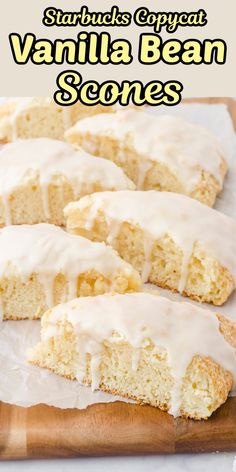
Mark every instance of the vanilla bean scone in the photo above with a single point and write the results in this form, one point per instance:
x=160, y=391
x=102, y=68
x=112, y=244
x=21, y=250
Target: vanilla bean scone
x=35, y=117
x=174, y=241
x=161, y=153
x=38, y=177
x=175, y=356
x=42, y=265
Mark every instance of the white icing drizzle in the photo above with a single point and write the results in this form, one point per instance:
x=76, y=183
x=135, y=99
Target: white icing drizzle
x=48, y=251
x=135, y=359
x=187, y=253
x=67, y=119
x=184, y=219
x=1, y=310
x=45, y=201
x=7, y=210
x=148, y=247
x=185, y=147
x=47, y=159
x=144, y=167
x=47, y=281
x=14, y=135
x=114, y=231
x=92, y=215
x=22, y=104
x=183, y=329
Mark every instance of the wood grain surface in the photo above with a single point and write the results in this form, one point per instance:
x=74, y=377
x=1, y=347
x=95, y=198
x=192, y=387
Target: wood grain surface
x=110, y=429
x=115, y=428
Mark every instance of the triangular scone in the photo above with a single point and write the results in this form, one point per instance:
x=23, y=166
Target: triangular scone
x=175, y=356
x=38, y=177
x=35, y=117
x=175, y=241
x=42, y=265
x=161, y=153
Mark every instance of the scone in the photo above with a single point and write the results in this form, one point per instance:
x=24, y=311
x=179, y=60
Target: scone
x=161, y=153
x=174, y=241
x=38, y=177
x=175, y=356
x=42, y=265
x=35, y=117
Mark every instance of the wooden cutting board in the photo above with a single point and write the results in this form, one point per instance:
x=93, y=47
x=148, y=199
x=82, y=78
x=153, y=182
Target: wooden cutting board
x=115, y=428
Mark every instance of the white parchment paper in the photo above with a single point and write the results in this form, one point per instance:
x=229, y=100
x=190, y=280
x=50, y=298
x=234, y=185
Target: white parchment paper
x=26, y=385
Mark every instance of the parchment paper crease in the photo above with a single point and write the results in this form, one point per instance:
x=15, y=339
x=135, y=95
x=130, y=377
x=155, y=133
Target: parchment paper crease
x=25, y=385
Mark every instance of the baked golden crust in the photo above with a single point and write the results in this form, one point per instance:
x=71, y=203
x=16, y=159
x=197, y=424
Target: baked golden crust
x=40, y=117
x=39, y=177
x=23, y=298
x=26, y=202
x=205, y=385
x=207, y=280
x=158, y=176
